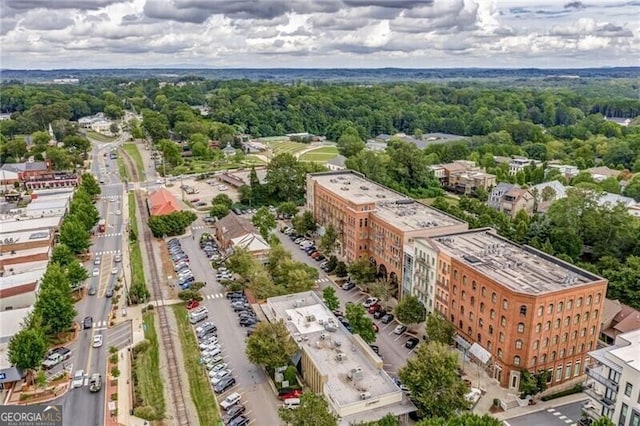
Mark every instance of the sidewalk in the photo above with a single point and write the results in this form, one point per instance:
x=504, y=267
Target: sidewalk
x=540, y=406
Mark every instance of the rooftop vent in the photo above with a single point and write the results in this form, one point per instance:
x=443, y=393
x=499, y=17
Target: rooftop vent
x=365, y=395
x=364, y=188
x=341, y=357
x=355, y=374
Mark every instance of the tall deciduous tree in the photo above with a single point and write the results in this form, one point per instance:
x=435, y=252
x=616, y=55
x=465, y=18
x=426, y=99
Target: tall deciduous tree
x=329, y=240
x=76, y=273
x=74, y=235
x=432, y=377
x=313, y=411
x=410, y=311
x=362, y=271
x=360, y=323
x=350, y=143
x=439, y=329
x=27, y=348
x=287, y=208
x=241, y=262
x=265, y=221
x=464, y=419
x=330, y=298
x=90, y=184
x=62, y=255
x=304, y=223
x=270, y=345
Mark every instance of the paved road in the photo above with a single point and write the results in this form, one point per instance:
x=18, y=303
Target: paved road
x=564, y=415
x=251, y=381
x=79, y=404
x=391, y=345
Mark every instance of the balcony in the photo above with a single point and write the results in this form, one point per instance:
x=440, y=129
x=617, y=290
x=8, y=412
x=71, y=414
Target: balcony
x=599, y=397
x=595, y=375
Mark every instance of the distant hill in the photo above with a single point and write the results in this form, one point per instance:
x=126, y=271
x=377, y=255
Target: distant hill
x=361, y=75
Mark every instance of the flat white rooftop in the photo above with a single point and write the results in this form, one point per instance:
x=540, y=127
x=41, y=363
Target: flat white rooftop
x=391, y=206
x=12, y=225
x=335, y=353
x=19, y=268
x=629, y=353
x=14, y=280
x=521, y=268
x=24, y=253
x=25, y=236
x=11, y=322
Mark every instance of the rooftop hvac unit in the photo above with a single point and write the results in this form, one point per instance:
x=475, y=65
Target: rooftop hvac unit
x=365, y=395
x=355, y=373
x=341, y=357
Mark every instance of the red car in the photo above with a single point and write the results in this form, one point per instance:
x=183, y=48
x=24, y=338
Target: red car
x=192, y=304
x=375, y=327
x=290, y=395
x=374, y=308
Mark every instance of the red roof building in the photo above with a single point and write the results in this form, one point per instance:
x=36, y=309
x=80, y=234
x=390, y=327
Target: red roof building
x=162, y=202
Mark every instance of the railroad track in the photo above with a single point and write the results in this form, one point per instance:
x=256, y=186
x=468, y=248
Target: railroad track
x=177, y=392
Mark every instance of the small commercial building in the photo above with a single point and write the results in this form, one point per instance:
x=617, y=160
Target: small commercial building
x=335, y=363
x=162, y=202
x=19, y=290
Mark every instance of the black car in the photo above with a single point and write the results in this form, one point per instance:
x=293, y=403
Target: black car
x=239, y=421
x=375, y=348
x=233, y=412
x=412, y=342
x=235, y=294
x=247, y=322
x=379, y=314
x=224, y=384
x=87, y=323
x=387, y=318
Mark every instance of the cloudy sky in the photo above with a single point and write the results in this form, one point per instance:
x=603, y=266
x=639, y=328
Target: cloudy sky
x=49, y=34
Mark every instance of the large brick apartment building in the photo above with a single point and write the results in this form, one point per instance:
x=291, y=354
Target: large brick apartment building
x=373, y=221
x=524, y=308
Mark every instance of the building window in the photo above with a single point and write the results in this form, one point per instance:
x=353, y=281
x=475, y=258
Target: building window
x=565, y=336
x=628, y=388
x=576, y=369
x=572, y=349
x=579, y=302
x=540, y=310
x=583, y=332
x=576, y=319
x=589, y=300
x=534, y=361
x=473, y=301
x=480, y=323
x=574, y=335
x=536, y=345
x=479, y=338
x=592, y=330
x=547, y=325
x=520, y=327
x=464, y=280
x=555, y=340
x=505, y=305
x=489, y=345
x=560, y=306
x=455, y=289
x=494, y=297
x=464, y=295
x=538, y=327
x=590, y=346
x=543, y=358
x=545, y=342
x=523, y=310
x=580, y=348
x=481, y=307
x=492, y=314
x=455, y=274
x=516, y=360
x=501, y=337
x=550, y=308
x=586, y=316
x=490, y=330
x=503, y=321
x=595, y=314
x=567, y=320
x=569, y=304
x=518, y=344
x=623, y=415
x=557, y=323
x=561, y=354
x=499, y=353
x=484, y=291
x=559, y=374
x=567, y=371
x=471, y=316
x=474, y=286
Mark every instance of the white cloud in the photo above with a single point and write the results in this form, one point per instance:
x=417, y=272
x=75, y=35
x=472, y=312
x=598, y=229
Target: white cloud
x=327, y=33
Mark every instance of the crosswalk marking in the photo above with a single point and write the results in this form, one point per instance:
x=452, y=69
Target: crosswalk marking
x=323, y=280
x=99, y=324
x=196, y=227
x=100, y=253
x=115, y=234
x=214, y=296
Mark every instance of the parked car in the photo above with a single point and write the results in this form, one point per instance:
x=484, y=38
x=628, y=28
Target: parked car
x=375, y=348
x=192, y=304
x=379, y=313
x=348, y=285
x=370, y=301
x=400, y=329
x=412, y=342
x=97, y=340
x=387, y=318
x=233, y=412
x=78, y=379
x=374, y=308
x=239, y=421
x=219, y=376
x=95, y=272
x=95, y=382
x=223, y=385
x=375, y=327
x=217, y=368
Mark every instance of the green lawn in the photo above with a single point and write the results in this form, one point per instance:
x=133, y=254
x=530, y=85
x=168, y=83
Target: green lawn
x=149, y=388
x=122, y=170
x=287, y=146
x=322, y=155
x=132, y=150
x=100, y=137
x=199, y=387
x=451, y=200
x=135, y=256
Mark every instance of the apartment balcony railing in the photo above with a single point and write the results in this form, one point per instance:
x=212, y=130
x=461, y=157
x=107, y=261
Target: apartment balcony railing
x=601, y=379
x=600, y=397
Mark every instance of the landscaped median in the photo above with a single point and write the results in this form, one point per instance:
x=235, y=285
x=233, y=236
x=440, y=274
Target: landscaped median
x=132, y=150
x=138, y=291
x=199, y=387
x=149, y=401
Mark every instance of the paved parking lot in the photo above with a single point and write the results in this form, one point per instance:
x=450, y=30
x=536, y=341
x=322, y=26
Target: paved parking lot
x=251, y=381
x=206, y=192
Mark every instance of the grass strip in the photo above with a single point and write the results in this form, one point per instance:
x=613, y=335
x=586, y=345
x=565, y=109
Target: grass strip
x=199, y=387
x=138, y=283
x=100, y=137
x=122, y=170
x=132, y=150
x=149, y=404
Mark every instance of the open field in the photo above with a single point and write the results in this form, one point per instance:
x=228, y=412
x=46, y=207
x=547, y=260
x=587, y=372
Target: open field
x=199, y=387
x=321, y=155
x=287, y=146
x=147, y=367
x=132, y=150
x=100, y=137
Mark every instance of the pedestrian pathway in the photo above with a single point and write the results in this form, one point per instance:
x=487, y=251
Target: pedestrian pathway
x=213, y=296
x=323, y=280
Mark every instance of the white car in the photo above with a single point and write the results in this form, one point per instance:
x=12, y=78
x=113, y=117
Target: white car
x=96, y=261
x=118, y=258
x=473, y=396
x=96, y=272
x=219, y=376
x=118, y=212
x=210, y=347
x=216, y=368
x=211, y=341
x=97, y=340
x=78, y=379
x=370, y=301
